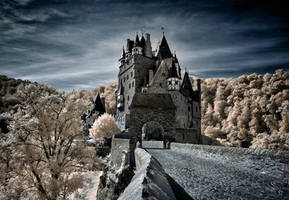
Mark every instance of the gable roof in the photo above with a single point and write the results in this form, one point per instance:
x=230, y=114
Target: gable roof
x=161, y=74
x=164, y=51
x=153, y=101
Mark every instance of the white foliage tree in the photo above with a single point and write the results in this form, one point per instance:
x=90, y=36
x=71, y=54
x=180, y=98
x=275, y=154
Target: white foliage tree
x=42, y=158
x=104, y=127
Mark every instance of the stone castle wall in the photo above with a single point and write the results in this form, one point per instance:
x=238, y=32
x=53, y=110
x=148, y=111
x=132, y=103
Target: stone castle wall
x=140, y=116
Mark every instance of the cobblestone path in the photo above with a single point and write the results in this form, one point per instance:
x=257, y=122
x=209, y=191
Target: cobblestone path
x=214, y=176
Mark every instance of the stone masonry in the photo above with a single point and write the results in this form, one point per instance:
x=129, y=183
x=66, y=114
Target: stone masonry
x=151, y=88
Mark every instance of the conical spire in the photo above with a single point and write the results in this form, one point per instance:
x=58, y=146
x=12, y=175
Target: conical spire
x=137, y=42
x=142, y=42
x=164, y=49
x=98, y=105
x=173, y=71
x=178, y=65
x=186, y=88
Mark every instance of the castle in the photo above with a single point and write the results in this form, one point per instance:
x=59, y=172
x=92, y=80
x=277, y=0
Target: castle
x=151, y=90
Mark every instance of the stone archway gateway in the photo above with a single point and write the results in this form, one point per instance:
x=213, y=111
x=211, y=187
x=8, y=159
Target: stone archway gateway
x=152, y=131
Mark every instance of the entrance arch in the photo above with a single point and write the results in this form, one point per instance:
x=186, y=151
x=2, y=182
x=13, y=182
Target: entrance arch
x=152, y=131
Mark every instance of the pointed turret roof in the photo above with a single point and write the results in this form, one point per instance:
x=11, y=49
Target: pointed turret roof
x=98, y=105
x=173, y=71
x=137, y=42
x=164, y=49
x=142, y=42
x=186, y=88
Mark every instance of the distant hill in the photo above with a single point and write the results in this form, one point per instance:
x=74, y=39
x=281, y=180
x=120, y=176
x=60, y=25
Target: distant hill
x=253, y=108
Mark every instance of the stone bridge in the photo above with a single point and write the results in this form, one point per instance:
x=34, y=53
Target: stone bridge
x=188, y=171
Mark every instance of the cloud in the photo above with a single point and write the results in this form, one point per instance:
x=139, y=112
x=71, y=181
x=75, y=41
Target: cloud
x=72, y=44
x=23, y=2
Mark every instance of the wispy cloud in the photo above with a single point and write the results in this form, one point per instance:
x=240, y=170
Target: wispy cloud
x=76, y=44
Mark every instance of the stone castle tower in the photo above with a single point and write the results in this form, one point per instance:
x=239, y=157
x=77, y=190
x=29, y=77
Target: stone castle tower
x=152, y=89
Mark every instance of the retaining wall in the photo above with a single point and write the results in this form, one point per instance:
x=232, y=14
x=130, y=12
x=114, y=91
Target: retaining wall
x=150, y=180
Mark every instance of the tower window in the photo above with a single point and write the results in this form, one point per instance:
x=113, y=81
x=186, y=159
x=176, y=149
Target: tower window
x=177, y=82
x=127, y=77
x=131, y=74
x=132, y=84
x=170, y=82
x=160, y=85
x=189, y=108
x=129, y=86
x=127, y=98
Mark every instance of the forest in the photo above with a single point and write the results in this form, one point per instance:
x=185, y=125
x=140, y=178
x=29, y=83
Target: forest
x=39, y=126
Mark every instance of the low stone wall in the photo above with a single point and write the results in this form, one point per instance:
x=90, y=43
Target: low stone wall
x=119, y=146
x=150, y=180
x=275, y=154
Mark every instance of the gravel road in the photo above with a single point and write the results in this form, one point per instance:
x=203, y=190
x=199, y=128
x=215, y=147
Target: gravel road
x=214, y=176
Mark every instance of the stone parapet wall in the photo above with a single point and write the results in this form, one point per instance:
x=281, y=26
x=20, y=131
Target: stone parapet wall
x=150, y=180
x=275, y=154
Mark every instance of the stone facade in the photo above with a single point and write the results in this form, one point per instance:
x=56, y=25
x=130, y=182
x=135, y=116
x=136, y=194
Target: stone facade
x=151, y=88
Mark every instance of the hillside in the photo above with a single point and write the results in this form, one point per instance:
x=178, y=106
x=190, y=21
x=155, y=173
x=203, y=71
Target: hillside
x=252, y=107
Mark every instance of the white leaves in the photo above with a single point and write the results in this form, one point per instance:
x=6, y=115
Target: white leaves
x=104, y=127
x=251, y=107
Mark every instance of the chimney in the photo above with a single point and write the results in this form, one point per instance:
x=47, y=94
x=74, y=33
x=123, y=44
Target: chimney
x=148, y=46
x=127, y=45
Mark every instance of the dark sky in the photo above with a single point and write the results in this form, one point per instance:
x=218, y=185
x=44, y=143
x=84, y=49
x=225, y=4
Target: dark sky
x=75, y=44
